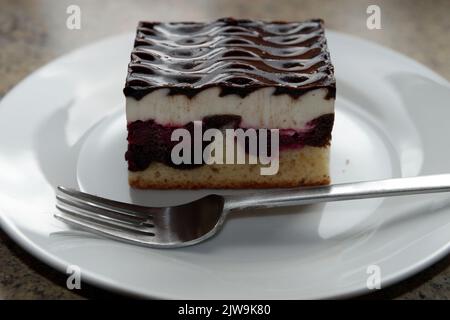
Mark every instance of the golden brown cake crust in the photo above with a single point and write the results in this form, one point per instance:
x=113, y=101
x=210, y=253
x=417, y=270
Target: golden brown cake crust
x=307, y=166
x=138, y=184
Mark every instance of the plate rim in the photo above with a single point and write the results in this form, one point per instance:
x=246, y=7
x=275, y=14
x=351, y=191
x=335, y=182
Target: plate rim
x=104, y=283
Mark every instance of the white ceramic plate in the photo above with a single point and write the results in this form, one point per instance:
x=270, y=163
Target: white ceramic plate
x=64, y=125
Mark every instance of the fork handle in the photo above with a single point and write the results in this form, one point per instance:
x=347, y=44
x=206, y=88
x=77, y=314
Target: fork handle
x=338, y=192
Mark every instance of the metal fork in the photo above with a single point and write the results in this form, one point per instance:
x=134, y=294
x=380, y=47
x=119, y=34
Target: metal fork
x=194, y=222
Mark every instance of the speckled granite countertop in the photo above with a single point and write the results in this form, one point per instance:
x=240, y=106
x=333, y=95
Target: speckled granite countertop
x=33, y=32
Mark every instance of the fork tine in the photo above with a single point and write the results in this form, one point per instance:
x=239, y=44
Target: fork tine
x=102, y=211
x=111, y=205
x=105, y=230
x=169, y=227
x=98, y=217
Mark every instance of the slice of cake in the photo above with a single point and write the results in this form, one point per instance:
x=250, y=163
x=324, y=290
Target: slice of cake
x=229, y=74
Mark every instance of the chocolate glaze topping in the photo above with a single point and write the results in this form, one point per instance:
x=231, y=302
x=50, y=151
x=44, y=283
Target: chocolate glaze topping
x=238, y=56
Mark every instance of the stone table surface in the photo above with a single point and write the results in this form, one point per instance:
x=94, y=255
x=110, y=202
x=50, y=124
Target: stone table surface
x=34, y=32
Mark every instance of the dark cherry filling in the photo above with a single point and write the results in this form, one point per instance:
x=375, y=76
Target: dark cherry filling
x=149, y=141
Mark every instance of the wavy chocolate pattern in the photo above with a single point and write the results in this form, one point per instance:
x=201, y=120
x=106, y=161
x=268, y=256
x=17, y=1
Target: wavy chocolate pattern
x=238, y=56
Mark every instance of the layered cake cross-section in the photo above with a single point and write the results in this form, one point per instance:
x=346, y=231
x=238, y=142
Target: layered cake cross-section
x=229, y=74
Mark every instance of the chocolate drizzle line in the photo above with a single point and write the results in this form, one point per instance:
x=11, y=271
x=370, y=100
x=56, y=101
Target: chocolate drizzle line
x=238, y=56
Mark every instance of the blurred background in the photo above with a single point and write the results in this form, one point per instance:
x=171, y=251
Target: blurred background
x=34, y=32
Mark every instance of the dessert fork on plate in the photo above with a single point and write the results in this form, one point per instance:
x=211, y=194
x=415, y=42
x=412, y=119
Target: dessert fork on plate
x=196, y=221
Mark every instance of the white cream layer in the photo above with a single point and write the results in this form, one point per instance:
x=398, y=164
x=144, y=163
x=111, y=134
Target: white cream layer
x=260, y=109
